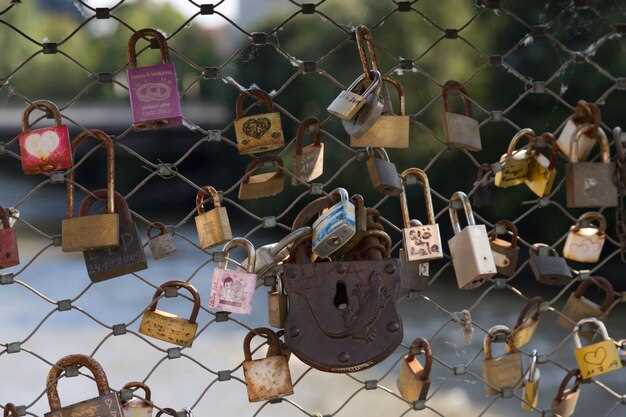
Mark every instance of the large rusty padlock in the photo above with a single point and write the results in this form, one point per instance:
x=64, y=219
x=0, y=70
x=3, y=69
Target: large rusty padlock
x=586, y=238
x=505, y=252
x=308, y=161
x=527, y=323
x=564, y=403
x=505, y=371
x=460, y=130
x=138, y=407
x=515, y=162
x=260, y=132
x=579, y=307
x=213, y=226
x=262, y=185
x=414, y=379
x=9, y=255
x=585, y=114
x=547, y=266
x=383, y=173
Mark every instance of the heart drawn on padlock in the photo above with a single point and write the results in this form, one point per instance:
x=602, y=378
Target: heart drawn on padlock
x=257, y=127
x=42, y=145
x=596, y=357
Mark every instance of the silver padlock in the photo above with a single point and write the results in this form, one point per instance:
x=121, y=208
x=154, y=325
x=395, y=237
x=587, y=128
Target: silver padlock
x=269, y=256
x=348, y=103
x=335, y=226
x=370, y=111
x=162, y=244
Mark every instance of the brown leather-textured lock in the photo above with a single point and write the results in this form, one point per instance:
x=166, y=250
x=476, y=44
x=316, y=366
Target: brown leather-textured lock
x=504, y=372
x=505, y=252
x=579, y=307
x=549, y=268
x=105, y=405
x=213, y=226
x=460, y=130
x=98, y=231
x=308, y=161
x=128, y=257
x=585, y=114
x=527, y=323
x=585, y=241
x=262, y=185
x=9, y=255
x=541, y=170
x=414, y=379
x=162, y=244
x=260, y=132
x=383, y=173
x=564, y=404
x=138, y=407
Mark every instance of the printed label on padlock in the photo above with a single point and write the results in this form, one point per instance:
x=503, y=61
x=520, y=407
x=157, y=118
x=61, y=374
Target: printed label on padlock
x=232, y=291
x=334, y=228
x=423, y=243
x=154, y=94
x=346, y=105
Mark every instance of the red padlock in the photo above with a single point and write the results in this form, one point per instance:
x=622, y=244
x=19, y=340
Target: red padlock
x=8, y=242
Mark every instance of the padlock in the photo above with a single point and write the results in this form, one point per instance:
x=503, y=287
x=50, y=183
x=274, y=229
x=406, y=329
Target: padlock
x=389, y=130
x=370, y=112
x=527, y=323
x=269, y=256
x=514, y=163
x=585, y=241
x=564, y=404
x=621, y=348
x=469, y=248
x=213, y=226
x=541, y=170
x=413, y=275
x=591, y=184
x=233, y=290
x=505, y=371
x=138, y=407
x=421, y=243
x=549, y=268
x=169, y=327
x=484, y=191
x=361, y=224
x=347, y=105
x=10, y=410
x=505, y=252
x=334, y=227
x=97, y=231
x=579, y=307
x=585, y=114
x=460, y=130
x=619, y=138
x=105, y=405
x=262, y=185
x=260, y=132
x=9, y=255
x=531, y=384
x=308, y=161
x=268, y=378
x=277, y=304
x=162, y=244
x=598, y=358
x=383, y=173
x=414, y=379
x=128, y=257
x=168, y=411
x=45, y=149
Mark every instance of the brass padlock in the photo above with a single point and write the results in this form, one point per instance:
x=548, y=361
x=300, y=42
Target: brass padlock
x=105, y=405
x=262, y=185
x=549, y=268
x=579, y=307
x=531, y=384
x=514, y=163
x=335, y=226
x=213, y=226
x=277, y=304
x=97, y=231
x=268, y=378
x=527, y=323
x=414, y=379
x=585, y=241
x=469, y=248
x=503, y=372
x=383, y=172
x=585, y=114
x=484, y=191
x=591, y=184
x=169, y=327
x=564, y=404
x=505, y=252
x=460, y=130
x=308, y=161
x=138, y=406
x=162, y=244
x=598, y=358
x=413, y=275
x=389, y=130
x=260, y=132
x=541, y=170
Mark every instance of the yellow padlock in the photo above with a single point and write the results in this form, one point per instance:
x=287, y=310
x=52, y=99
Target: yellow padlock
x=531, y=384
x=597, y=358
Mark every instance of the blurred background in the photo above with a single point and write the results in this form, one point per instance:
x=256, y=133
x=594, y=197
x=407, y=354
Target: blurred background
x=524, y=64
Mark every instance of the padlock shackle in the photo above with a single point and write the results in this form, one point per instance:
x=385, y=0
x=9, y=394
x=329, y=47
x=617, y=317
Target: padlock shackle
x=245, y=244
x=421, y=345
x=381, y=153
x=422, y=178
x=168, y=411
x=311, y=210
x=272, y=340
x=312, y=124
x=276, y=161
x=509, y=226
x=289, y=239
x=4, y=218
x=452, y=85
x=10, y=410
x=574, y=373
x=598, y=135
x=364, y=35
x=532, y=369
x=400, y=90
x=45, y=106
x=205, y=191
x=527, y=134
x=107, y=142
x=135, y=385
x=151, y=35
x=534, y=249
x=587, y=113
x=160, y=227
x=178, y=285
x=302, y=249
x=602, y=283
x=530, y=311
x=491, y=335
x=256, y=93
x=593, y=321
x=74, y=360
x=549, y=138
x=467, y=208
x=121, y=206
x=589, y=217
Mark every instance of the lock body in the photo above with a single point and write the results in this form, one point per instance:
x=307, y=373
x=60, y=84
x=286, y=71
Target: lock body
x=591, y=184
x=505, y=256
x=365, y=117
x=277, y=308
x=584, y=245
x=384, y=176
x=388, y=131
x=413, y=275
x=502, y=372
x=232, y=291
x=309, y=165
x=262, y=185
x=462, y=131
x=154, y=97
x=550, y=269
x=213, y=227
x=581, y=151
x=566, y=406
x=514, y=169
x=162, y=246
x=45, y=150
x=268, y=378
x=412, y=383
x=334, y=228
x=346, y=105
x=531, y=391
x=541, y=175
x=598, y=358
x=422, y=243
x=578, y=308
x=471, y=256
x=137, y=408
x=9, y=255
x=97, y=231
x=105, y=405
x=168, y=327
x=259, y=133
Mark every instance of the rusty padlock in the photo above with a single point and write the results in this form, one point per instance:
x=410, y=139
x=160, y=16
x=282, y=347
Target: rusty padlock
x=460, y=130
x=585, y=114
x=527, y=323
x=585, y=240
x=579, y=307
x=505, y=252
x=515, y=162
x=213, y=226
x=9, y=255
x=564, y=404
x=138, y=407
x=548, y=267
x=267, y=184
x=260, y=132
x=162, y=244
x=503, y=372
x=414, y=379
x=308, y=161
x=383, y=173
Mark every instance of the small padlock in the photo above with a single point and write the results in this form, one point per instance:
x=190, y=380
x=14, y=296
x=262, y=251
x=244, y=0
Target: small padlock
x=97, y=231
x=414, y=379
x=531, y=384
x=45, y=149
x=383, y=172
x=169, y=327
x=585, y=114
x=347, y=104
x=105, y=405
x=579, y=307
x=213, y=226
x=460, y=130
x=541, y=170
x=268, y=378
x=308, y=161
x=505, y=252
x=9, y=255
x=10, y=410
x=564, y=404
x=153, y=90
x=277, y=304
x=549, y=268
x=514, y=163
x=585, y=241
x=484, y=190
x=232, y=290
x=361, y=220
x=138, y=407
x=527, y=323
x=503, y=372
x=262, y=185
x=621, y=347
x=598, y=358
x=268, y=257
x=334, y=227
x=260, y=132
x=469, y=248
x=371, y=110
x=413, y=275
x=162, y=244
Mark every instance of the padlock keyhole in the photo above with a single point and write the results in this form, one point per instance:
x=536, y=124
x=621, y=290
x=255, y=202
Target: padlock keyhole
x=341, y=296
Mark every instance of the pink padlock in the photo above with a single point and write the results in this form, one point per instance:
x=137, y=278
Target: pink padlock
x=154, y=98
x=46, y=149
x=8, y=242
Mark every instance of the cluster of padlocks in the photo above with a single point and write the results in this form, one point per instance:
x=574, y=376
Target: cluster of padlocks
x=335, y=281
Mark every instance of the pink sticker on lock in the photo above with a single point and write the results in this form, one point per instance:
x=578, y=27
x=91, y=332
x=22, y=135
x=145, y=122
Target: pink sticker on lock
x=45, y=150
x=232, y=291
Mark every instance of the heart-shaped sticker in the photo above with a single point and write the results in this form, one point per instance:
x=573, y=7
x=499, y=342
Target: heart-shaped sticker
x=256, y=127
x=596, y=357
x=42, y=145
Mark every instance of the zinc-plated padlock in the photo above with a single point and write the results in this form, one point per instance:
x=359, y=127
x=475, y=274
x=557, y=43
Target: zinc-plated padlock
x=213, y=226
x=585, y=241
x=598, y=358
x=460, y=130
x=505, y=371
x=564, y=404
x=414, y=379
x=348, y=103
x=335, y=227
x=531, y=384
x=505, y=252
x=370, y=111
x=579, y=307
x=277, y=304
x=585, y=114
x=308, y=161
x=527, y=323
x=549, y=268
x=515, y=162
x=383, y=172
x=541, y=170
x=162, y=244
x=260, y=132
x=138, y=407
